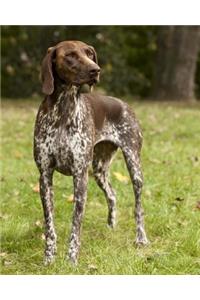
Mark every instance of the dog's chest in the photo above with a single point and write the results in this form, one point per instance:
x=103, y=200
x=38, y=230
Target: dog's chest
x=72, y=147
x=66, y=134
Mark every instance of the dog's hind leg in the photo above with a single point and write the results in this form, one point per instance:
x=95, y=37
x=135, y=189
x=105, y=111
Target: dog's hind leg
x=131, y=155
x=103, y=153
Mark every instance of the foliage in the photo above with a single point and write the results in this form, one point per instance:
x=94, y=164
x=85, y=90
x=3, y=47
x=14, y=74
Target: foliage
x=126, y=55
x=171, y=164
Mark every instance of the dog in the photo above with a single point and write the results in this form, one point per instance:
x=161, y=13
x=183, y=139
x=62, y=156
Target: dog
x=74, y=130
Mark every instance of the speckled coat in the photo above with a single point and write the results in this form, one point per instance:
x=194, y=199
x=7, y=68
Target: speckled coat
x=72, y=131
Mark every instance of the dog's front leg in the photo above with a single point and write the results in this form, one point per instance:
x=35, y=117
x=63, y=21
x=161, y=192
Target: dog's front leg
x=46, y=193
x=80, y=194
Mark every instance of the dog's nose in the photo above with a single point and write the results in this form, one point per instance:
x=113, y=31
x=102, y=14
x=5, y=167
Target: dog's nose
x=95, y=70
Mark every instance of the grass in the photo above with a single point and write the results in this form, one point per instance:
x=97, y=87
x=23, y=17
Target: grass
x=171, y=162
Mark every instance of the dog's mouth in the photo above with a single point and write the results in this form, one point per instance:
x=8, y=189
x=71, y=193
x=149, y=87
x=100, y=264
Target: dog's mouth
x=93, y=80
x=89, y=81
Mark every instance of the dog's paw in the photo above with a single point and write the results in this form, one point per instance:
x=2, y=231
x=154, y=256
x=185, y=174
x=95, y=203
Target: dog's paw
x=142, y=242
x=48, y=260
x=141, y=239
x=111, y=221
x=111, y=224
x=72, y=256
x=72, y=260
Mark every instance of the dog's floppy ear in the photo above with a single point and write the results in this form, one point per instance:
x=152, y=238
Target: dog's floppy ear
x=96, y=61
x=47, y=72
x=95, y=55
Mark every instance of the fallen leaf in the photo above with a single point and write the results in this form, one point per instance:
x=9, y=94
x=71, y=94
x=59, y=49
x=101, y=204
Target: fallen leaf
x=92, y=267
x=70, y=198
x=16, y=193
x=38, y=223
x=174, y=207
x=121, y=178
x=43, y=237
x=4, y=216
x=3, y=254
x=198, y=205
x=36, y=188
x=194, y=159
x=18, y=154
x=7, y=262
x=182, y=223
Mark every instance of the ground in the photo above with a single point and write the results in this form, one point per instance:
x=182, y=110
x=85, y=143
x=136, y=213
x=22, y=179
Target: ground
x=171, y=200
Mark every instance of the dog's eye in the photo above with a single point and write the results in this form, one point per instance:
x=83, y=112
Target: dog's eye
x=71, y=55
x=90, y=54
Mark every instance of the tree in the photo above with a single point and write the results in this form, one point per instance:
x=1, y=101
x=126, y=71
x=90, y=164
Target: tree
x=126, y=55
x=177, y=55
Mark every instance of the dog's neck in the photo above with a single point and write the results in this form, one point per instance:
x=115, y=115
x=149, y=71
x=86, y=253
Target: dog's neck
x=67, y=101
x=62, y=87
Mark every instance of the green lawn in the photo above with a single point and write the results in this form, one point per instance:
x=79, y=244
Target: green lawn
x=171, y=199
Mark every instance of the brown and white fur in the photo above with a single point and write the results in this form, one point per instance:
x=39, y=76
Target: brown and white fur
x=74, y=130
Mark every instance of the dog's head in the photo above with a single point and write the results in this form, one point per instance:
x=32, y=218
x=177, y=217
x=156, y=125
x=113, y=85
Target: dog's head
x=74, y=62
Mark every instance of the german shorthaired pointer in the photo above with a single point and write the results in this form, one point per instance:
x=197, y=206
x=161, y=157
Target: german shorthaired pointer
x=73, y=130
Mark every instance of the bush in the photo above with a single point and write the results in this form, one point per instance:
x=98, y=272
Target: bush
x=126, y=55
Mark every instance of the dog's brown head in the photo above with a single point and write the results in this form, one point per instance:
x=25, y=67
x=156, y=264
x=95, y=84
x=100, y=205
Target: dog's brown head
x=74, y=62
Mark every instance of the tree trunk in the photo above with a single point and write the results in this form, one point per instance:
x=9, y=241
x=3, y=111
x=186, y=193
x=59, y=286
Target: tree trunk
x=177, y=54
